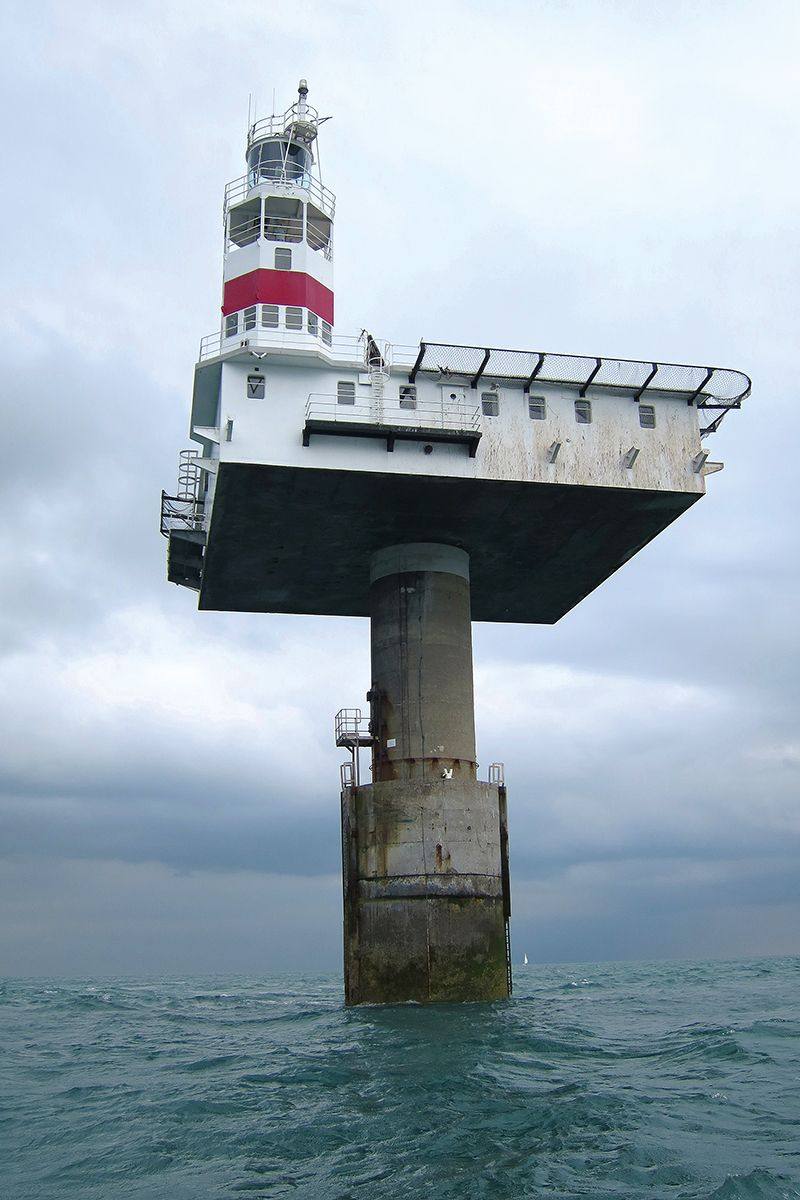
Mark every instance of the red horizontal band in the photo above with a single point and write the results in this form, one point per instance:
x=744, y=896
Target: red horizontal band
x=278, y=287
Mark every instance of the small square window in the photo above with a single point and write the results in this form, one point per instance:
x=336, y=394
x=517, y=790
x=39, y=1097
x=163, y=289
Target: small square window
x=583, y=412
x=537, y=408
x=490, y=404
x=408, y=396
x=283, y=259
x=255, y=387
x=294, y=318
x=647, y=416
x=312, y=323
x=269, y=316
x=249, y=315
x=327, y=333
x=345, y=392
x=232, y=325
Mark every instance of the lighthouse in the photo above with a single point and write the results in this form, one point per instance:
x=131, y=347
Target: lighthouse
x=423, y=487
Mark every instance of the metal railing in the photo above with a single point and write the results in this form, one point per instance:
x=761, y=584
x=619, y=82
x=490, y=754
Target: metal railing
x=282, y=181
x=244, y=232
x=351, y=728
x=497, y=774
x=337, y=349
x=387, y=411
x=291, y=230
x=283, y=229
x=718, y=388
x=319, y=240
x=180, y=514
x=184, y=510
x=281, y=123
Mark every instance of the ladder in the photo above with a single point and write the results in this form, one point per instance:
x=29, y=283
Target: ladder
x=376, y=360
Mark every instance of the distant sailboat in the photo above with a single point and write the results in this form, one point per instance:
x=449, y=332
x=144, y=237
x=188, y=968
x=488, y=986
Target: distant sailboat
x=525, y=961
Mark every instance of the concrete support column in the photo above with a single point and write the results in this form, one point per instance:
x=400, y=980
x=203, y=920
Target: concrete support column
x=426, y=900
x=421, y=698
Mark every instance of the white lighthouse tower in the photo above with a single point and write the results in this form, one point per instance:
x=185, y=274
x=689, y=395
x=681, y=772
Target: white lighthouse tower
x=424, y=487
x=278, y=267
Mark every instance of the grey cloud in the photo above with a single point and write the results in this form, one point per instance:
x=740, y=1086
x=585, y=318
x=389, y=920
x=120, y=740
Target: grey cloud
x=163, y=769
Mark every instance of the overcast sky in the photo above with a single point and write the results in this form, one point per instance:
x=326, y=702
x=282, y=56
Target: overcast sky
x=614, y=178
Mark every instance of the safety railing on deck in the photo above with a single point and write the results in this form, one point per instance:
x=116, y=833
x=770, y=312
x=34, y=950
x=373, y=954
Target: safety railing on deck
x=180, y=514
x=337, y=349
x=290, y=230
x=351, y=728
x=283, y=229
x=281, y=180
x=388, y=411
x=718, y=388
x=296, y=114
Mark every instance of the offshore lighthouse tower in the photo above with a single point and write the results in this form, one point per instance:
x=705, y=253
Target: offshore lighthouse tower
x=423, y=487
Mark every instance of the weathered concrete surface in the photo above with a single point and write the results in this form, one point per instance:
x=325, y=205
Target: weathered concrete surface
x=425, y=891
x=421, y=696
x=425, y=857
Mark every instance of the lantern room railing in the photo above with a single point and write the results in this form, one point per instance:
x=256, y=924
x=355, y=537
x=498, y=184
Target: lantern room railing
x=281, y=182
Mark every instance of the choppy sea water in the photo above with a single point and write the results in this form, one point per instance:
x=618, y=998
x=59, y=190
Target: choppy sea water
x=612, y=1080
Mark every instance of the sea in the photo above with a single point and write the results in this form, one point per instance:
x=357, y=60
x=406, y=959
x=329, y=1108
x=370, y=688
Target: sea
x=663, y=1079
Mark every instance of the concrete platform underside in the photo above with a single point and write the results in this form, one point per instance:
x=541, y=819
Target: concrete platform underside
x=426, y=892
x=295, y=540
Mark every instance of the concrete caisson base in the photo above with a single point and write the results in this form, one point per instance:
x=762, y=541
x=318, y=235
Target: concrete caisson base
x=425, y=892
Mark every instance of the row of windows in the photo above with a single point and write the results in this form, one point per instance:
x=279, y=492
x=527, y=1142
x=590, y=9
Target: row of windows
x=537, y=410
x=274, y=316
x=490, y=402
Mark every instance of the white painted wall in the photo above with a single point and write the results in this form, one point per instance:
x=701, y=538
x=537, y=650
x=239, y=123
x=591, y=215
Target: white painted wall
x=512, y=446
x=261, y=255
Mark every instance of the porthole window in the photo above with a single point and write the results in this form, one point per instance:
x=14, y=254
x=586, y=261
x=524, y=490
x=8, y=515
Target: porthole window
x=345, y=392
x=490, y=404
x=327, y=333
x=312, y=324
x=249, y=315
x=255, y=387
x=647, y=416
x=294, y=318
x=408, y=396
x=232, y=325
x=583, y=412
x=537, y=409
x=283, y=259
x=269, y=316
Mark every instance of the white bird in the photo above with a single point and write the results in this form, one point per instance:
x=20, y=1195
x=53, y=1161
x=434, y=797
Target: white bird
x=447, y=773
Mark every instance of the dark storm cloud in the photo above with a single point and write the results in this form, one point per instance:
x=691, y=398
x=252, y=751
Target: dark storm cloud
x=164, y=772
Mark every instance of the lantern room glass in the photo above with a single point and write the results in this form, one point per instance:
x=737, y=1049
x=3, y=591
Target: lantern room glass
x=279, y=159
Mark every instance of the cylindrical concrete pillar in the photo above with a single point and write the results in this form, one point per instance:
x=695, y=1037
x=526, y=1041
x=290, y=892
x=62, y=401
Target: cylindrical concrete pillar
x=424, y=846
x=421, y=698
